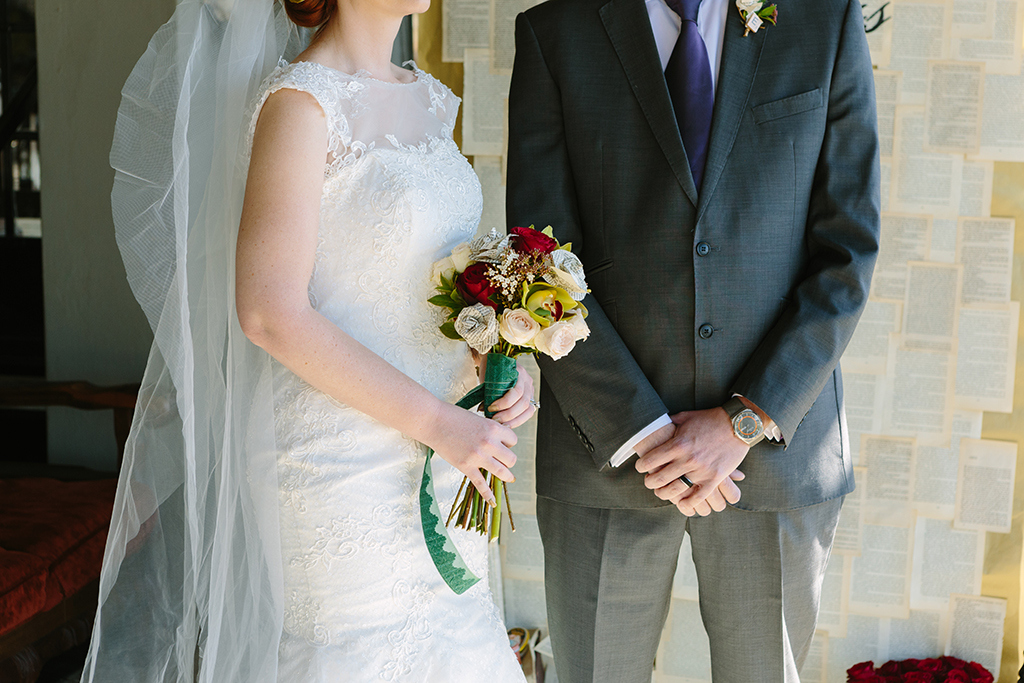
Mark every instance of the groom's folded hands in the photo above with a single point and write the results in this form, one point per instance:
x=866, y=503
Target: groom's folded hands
x=701, y=445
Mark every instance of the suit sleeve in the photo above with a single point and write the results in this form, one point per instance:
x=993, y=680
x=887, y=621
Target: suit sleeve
x=792, y=363
x=599, y=387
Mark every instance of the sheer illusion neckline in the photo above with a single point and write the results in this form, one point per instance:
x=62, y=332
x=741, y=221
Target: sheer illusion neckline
x=364, y=75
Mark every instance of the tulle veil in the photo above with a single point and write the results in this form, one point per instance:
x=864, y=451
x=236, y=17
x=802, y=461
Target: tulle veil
x=191, y=588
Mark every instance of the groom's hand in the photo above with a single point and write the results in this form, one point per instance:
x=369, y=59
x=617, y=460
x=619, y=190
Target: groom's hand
x=701, y=446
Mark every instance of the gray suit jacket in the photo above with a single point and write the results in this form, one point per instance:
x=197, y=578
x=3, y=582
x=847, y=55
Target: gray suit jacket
x=754, y=286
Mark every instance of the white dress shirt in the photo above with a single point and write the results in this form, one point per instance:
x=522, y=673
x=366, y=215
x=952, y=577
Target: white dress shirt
x=665, y=23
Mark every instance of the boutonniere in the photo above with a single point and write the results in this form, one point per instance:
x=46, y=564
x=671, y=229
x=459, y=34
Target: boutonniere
x=755, y=14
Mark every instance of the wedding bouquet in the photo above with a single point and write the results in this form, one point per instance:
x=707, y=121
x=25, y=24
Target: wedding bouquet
x=935, y=670
x=506, y=295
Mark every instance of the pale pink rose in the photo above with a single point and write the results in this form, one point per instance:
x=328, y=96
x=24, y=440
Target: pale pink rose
x=580, y=325
x=556, y=340
x=461, y=256
x=518, y=327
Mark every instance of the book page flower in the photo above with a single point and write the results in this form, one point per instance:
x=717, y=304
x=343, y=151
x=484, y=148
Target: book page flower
x=518, y=327
x=478, y=325
x=489, y=248
x=567, y=273
x=557, y=340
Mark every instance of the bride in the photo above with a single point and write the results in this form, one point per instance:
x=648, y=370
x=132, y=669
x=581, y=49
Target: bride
x=267, y=525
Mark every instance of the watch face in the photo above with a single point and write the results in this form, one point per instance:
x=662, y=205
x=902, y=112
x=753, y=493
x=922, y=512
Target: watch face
x=747, y=425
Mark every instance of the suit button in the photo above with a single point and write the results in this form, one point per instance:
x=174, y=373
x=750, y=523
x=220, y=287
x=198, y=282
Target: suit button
x=703, y=249
x=706, y=331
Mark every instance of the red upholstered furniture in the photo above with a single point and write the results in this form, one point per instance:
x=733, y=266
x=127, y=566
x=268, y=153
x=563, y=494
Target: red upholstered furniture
x=52, y=535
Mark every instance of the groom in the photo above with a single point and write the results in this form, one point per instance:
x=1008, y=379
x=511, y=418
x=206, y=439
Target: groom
x=722, y=190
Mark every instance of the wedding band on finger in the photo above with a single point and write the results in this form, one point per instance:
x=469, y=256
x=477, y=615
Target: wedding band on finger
x=683, y=478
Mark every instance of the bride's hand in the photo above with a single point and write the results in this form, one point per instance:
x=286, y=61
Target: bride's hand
x=517, y=405
x=471, y=442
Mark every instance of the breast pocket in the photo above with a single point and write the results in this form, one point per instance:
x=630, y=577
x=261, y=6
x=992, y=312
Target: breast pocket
x=788, y=106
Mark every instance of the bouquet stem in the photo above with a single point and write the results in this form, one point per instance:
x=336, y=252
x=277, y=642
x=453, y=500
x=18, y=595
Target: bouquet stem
x=470, y=511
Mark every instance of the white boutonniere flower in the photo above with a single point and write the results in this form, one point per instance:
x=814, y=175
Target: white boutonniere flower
x=755, y=14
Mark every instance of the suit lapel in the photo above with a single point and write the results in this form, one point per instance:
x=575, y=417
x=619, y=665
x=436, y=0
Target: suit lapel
x=629, y=29
x=740, y=57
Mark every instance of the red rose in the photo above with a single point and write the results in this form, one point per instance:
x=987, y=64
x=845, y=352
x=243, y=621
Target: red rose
x=978, y=673
x=918, y=677
x=860, y=672
x=932, y=665
x=908, y=665
x=474, y=286
x=953, y=663
x=957, y=676
x=889, y=668
x=528, y=239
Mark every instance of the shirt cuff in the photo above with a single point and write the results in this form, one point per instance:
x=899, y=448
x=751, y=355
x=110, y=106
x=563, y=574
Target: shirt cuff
x=627, y=449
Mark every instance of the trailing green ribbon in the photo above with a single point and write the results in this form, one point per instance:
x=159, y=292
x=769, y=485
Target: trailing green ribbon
x=502, y=374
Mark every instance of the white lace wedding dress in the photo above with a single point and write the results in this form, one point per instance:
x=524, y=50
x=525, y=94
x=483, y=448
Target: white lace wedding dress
x=363, y=601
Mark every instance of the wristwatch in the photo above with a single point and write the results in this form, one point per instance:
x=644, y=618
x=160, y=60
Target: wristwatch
x=746, y=425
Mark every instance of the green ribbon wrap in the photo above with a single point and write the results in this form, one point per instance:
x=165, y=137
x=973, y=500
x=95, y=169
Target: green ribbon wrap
x=501, y=375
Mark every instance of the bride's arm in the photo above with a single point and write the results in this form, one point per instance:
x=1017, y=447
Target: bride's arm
x=277, y=241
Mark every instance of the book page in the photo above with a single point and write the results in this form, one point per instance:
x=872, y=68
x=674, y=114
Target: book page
x=880, y=580
x=919, y=394
x=684, y=582
x=868, y=349
x=1002, y=136
x=904, y=238
x=862, y=642
x=1001, y=51
x=953, y=109
x=684, y=655
x=488, y=170
x=930, y=307
x=465, y=25
x=924, y=631
x=943, y=245
x=974, y=18
x=976, y=630
x=483, y=120
x=885, y=171
x=976, y=189
x=936, y=469
x=987, y=357
x=946, y=560
x=922, y=182
x=890, y=467
x=887, y=96
x=850, y=530
x=921, y=31
x=984, y=495
x=815, y=668
x=864, y=396
x=878, y=26
x=985, y=248
x=835, y=595
x=503, y=32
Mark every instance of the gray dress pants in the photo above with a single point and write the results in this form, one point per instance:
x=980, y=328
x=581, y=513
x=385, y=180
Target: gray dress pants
x=608, y=577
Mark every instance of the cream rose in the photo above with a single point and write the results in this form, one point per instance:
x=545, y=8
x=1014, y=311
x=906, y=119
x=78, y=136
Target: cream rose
x=518, y=327
x=478, y=326
x=748, y=6
x=444, y=267
x=461, y=256
x=556, y=340
x=580, y=325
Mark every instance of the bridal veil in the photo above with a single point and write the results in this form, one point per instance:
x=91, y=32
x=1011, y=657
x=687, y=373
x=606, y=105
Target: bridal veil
x=191, y=588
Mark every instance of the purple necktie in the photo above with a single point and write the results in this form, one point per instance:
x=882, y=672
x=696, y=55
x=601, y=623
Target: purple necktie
x=688, y=75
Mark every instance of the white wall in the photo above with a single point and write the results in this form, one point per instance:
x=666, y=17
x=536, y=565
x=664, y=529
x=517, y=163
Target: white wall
x=94, y=329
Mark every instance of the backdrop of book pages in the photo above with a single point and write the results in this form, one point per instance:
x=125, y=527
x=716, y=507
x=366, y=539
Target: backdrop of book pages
x=924, y=561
